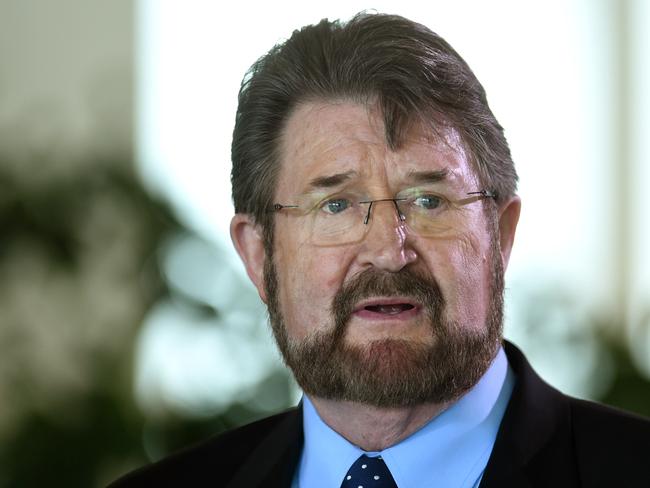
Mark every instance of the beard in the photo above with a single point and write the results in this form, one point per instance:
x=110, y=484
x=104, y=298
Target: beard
x=392, y=372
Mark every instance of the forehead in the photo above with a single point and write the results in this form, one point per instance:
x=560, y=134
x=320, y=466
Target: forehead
x=321, y=139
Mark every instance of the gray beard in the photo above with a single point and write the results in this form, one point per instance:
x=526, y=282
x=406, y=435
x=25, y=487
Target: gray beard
x=391, y=373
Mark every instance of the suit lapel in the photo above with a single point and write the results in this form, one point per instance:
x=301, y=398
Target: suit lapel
x=535, y=434
x=273, y=461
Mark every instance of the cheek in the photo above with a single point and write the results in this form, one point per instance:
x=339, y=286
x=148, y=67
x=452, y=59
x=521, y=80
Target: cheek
x=310, y=272
x=308, y=279
x=462, y=269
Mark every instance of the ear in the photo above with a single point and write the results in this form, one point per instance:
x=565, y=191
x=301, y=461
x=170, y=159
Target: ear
x=247, y=237
x=508, y=218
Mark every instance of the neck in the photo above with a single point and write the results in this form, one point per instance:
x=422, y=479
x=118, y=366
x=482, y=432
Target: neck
x=372, y=428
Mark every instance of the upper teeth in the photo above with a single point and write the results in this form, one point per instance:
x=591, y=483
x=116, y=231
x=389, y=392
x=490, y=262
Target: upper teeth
x=390, y=309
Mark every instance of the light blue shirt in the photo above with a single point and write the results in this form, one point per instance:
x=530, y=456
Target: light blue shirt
x=450, y=451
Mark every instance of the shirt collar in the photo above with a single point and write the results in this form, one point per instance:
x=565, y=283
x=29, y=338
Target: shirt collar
x=452, y=449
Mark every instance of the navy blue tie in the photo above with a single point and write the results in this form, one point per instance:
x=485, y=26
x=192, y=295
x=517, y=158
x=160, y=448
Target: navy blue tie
x=368, y=472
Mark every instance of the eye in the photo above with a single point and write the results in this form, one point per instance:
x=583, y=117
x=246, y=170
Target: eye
x=335, y=206
x=428, y=201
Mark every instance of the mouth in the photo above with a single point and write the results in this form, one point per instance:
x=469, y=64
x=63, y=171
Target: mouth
x=387, y=308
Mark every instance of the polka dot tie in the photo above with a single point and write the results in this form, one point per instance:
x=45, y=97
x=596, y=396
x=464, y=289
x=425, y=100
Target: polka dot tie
x=368, y=472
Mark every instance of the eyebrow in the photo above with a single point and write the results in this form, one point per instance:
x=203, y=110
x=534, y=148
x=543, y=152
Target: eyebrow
x=428, y=176
x=332, y=180
x=420, y=177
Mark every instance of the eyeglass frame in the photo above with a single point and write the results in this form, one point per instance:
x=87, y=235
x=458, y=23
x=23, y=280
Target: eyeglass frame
x=277, y=207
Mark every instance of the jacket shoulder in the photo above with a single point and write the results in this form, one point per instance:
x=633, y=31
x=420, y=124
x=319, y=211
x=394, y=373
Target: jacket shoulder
x=214, y=460
x=547, y=438
x=612, y=445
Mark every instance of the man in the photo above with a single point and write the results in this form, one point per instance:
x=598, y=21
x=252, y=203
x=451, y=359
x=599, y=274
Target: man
x=375, y=213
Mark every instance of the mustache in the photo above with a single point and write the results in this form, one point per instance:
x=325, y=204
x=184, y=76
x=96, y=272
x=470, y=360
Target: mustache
x=370, y=282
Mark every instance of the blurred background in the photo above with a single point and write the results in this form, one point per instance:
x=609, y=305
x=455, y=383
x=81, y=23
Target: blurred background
x=127, y=325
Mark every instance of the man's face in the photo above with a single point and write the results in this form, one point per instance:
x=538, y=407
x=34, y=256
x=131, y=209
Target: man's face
x=395, y=318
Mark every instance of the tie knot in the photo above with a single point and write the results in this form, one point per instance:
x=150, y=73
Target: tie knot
x=368, y=472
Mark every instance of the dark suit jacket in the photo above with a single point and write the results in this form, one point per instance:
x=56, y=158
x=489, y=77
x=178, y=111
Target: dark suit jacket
x=546, y=439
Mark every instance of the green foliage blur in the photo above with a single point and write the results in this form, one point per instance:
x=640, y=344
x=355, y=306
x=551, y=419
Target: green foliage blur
x=79, y=272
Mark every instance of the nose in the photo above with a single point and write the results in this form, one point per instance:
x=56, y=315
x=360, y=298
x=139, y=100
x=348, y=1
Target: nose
x=386, y=245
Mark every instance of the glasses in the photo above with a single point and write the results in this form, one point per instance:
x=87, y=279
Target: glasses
x=343, y=218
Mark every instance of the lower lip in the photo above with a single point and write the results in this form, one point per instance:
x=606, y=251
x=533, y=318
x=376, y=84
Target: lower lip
x=370, y=315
